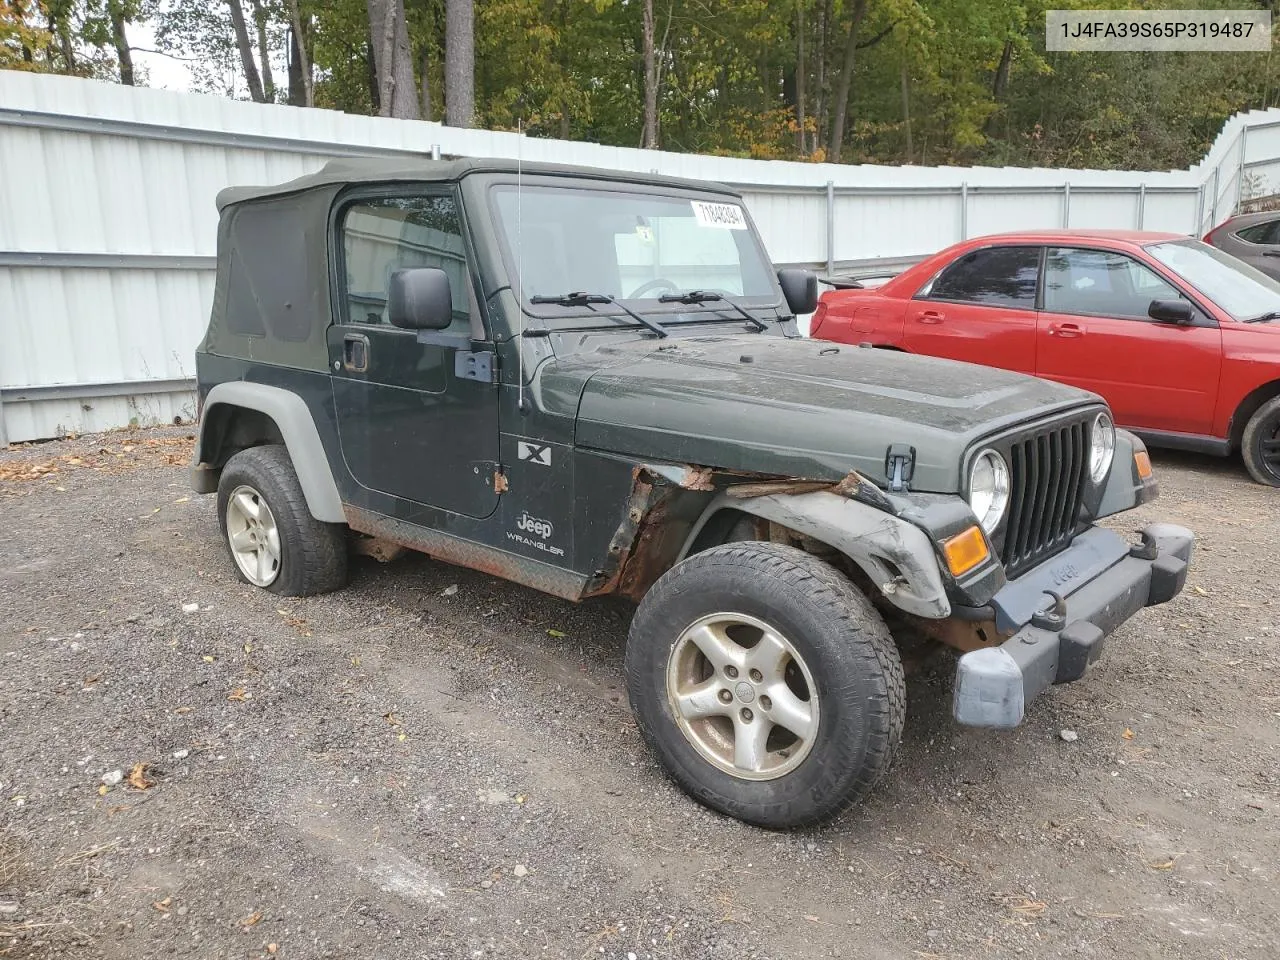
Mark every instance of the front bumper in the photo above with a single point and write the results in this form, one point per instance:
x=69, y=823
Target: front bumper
x=1061, y=611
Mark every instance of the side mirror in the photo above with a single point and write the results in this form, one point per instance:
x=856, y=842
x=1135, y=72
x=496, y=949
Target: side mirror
x=1170, y=311
x=420, y=299
x=800, y=288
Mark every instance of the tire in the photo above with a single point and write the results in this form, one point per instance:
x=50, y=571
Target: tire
x=1260, y=445
x=839, y=652
x=297, y=555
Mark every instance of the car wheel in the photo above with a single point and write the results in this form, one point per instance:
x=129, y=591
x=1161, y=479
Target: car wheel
x=1260, y=445
x=274, y=541
x=765, y=683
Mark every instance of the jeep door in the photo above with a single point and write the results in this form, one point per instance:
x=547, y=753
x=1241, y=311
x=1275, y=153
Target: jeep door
x=414, y=422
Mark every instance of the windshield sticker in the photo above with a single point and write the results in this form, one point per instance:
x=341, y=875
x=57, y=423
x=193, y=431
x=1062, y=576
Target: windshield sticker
x=723, y=216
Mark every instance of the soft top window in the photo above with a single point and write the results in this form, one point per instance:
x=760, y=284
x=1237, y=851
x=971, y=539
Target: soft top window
x=270, y=285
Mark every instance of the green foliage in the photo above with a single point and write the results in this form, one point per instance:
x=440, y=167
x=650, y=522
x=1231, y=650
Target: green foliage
x=933, y=81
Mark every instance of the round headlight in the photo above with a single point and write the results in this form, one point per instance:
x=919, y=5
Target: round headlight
x=1102, y=447
x=989, y=489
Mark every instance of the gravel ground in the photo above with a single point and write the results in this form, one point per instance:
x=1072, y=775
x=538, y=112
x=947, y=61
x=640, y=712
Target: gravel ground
x=435, y=763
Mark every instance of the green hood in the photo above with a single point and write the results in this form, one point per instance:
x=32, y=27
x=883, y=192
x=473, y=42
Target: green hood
x=795, y=407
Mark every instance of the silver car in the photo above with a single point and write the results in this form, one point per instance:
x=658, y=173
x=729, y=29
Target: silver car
x=1251, y=237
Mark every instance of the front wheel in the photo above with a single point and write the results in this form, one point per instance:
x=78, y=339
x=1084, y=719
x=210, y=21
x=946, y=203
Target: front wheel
x=1260, y=445
x=766, y=684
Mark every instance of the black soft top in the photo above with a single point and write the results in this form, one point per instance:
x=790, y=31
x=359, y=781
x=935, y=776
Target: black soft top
x=339, y=172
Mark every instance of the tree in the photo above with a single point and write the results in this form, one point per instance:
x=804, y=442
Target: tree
x=246, y=52
x=649, y=138
x=392, y=59
x=459, y=63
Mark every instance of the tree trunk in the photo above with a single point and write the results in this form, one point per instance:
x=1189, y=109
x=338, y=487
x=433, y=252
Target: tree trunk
x=823, y=98
x=301, y=92
x=116, y=12
x=906, y=108
x=649, y=136
x=264, y=52
x=459, y=63
x=393, y=60
x=425, y=82
x=841, y=104
x=246, y=52
x=800, y=76
x=1001, y=84
x=371, y=66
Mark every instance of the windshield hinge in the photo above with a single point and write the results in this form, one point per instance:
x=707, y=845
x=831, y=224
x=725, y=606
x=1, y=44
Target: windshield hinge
x=475, y=365
x=899, y=465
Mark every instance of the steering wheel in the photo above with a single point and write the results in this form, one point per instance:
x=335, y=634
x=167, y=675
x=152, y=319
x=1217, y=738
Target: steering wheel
x=654, y=285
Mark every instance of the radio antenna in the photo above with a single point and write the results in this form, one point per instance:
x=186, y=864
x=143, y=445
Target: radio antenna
x=519, y=290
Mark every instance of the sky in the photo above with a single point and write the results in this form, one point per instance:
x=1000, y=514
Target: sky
x=163, y=72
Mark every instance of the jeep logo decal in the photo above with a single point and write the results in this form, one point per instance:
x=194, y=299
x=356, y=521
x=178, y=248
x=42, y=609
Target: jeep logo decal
x=539, y=528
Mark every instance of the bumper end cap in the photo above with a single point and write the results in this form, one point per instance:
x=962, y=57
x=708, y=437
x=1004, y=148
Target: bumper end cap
x=989, y=690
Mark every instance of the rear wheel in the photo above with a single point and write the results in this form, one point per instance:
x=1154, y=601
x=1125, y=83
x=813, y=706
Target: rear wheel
x=766, y=684
x=1260, y=445
x=274, y=541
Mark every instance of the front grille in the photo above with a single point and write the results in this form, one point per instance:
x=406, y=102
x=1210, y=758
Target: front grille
x=1047, y=478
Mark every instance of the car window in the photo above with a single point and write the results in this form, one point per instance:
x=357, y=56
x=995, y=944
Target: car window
x=998, y=276
x=1266, y=232
x=384, y=234
x=1101, y=283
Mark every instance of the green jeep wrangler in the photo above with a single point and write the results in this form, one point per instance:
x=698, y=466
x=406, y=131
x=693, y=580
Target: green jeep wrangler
x=592, y=383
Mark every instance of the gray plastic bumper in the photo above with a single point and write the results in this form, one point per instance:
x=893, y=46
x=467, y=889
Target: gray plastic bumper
x=994, y=685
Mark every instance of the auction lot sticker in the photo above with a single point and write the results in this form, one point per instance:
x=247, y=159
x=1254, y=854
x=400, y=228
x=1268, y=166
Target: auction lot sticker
x=1105, y=31
x=726, y=216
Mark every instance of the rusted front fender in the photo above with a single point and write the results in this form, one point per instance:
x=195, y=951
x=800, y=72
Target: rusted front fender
x=897, y=556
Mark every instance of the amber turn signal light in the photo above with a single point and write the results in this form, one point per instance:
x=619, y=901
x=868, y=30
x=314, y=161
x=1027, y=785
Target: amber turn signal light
x=965, y=551
x=1143, y=462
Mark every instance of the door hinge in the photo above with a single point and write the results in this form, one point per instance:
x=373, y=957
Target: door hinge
x=899, y=465
x=475, y=365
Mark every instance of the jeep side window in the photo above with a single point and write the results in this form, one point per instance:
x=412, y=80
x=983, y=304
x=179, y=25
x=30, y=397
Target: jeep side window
x=995, y=276
x=384, y=234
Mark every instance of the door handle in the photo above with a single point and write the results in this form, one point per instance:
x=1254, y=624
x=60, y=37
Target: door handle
x=930, y=317
x=1067, y=331
x=355, y=352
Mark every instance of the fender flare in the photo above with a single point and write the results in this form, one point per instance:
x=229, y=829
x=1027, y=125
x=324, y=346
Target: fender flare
x=867, y=536
x=301, y=439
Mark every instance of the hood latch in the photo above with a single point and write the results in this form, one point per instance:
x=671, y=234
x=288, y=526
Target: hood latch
x=899, y=465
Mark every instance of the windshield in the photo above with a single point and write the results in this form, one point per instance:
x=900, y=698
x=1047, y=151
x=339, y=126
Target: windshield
x=1232, y=284
x=629, y=246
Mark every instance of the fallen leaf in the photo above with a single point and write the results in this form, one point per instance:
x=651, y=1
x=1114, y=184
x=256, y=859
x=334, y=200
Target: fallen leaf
x=392, y=718
x=183, y=709
x=208, y=659
x=355, y=661
x=1164, y=865
x=182, y=500
x=272, y=948
x=248, y=648
x=103, y=790
x=163, y=905
x=1201, y=590
x=61, y=489
x=1128, y=734
x=401, y=737
x=556, y=633
x=251, y=919
x=239, y=695
x=812, y=919
x=138, y=779
x=449, y=591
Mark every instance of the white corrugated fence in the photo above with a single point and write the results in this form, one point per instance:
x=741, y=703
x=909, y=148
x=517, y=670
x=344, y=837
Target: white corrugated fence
x=108, y=224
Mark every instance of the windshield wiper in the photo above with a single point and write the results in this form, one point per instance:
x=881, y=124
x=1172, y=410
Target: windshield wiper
x=581, y=298
x=1264, y=317
x=708, y=296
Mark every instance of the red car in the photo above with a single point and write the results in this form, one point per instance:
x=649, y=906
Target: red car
x=1181, y=339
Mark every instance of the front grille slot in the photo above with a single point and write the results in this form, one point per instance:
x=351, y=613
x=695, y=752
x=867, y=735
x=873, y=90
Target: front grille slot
x=1047, y=474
